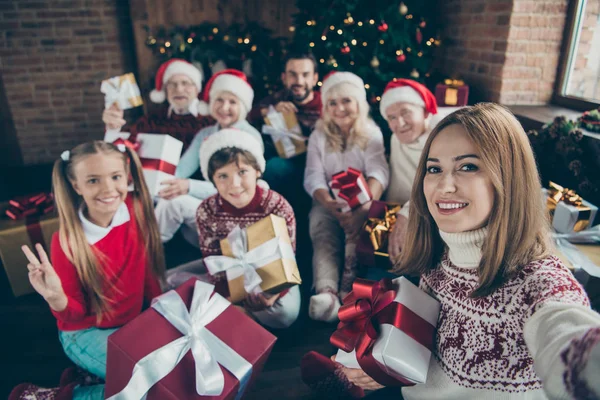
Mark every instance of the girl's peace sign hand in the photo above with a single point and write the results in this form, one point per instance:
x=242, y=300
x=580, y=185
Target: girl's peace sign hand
x=44, y=279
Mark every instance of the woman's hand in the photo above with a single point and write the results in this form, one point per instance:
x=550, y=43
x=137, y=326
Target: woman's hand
x=332, y=205
x=396, y=238
x=354, y=220
x=360, y=378
x=259, y=302
x=113, y=117
x=173, y=188
x=44, y=279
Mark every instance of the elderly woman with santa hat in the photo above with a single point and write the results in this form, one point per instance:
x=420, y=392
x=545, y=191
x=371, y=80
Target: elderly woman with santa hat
x=228, y=98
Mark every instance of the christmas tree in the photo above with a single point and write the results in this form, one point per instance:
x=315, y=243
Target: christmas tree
x=377, y=40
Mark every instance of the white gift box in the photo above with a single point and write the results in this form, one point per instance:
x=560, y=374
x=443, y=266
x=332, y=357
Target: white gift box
x=566, y=216
x=158, y=153
x=121, y=90
x=398, y=354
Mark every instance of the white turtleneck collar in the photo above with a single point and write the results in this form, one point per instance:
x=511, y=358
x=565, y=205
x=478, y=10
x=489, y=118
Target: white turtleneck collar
x=192, y=109
x=464, y=248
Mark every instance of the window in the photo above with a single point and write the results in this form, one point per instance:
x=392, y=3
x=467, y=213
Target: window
x=578, y=83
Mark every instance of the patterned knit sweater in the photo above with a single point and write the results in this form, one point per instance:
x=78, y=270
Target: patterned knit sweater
x=513, y=343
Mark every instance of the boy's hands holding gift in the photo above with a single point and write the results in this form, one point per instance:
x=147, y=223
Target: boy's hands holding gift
x=259, y=302
x=173, y=188
x=359, y=377
x=113, y=117
x=44, y=279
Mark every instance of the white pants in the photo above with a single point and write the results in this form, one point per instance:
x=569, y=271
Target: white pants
x=176, y=213
x=281, y=315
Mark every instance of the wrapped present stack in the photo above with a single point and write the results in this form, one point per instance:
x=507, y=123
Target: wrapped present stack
x=259, y=258
x=286, y=133
x=372, y=246
x=222, y=364
x=452, y=93
x=387, y=329
x=24, y=221
x=351, y=187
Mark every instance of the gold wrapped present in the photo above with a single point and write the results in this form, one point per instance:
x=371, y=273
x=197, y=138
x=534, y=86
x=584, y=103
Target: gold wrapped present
x=25, y=229
x=259, y=258
x=286, y=133
x=569, y=212
x=372, y=246
x=123, y=91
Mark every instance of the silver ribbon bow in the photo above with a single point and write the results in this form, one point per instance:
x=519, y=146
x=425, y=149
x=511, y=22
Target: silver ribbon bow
x=246, y=262
x=281, y=133
x=208, y=350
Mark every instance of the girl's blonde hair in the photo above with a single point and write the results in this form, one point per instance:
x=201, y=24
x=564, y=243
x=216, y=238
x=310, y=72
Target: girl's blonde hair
x=518, y=230
x=73, y=242
x=359, y=133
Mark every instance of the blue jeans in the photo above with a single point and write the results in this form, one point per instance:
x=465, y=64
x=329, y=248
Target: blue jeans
x=87, y=349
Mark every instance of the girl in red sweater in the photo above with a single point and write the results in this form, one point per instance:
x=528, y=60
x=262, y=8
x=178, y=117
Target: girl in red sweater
x=107, y=259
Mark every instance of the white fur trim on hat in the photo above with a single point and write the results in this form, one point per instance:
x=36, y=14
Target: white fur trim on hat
x=203, y=108
x=230, y=137
x=404, y=94
x=174, y=68
x=342, y=77
x=238, y=87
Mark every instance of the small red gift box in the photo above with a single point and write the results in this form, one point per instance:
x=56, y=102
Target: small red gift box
x=452, y=92
x=372, y=245
x=228, y=349
x=350, y=186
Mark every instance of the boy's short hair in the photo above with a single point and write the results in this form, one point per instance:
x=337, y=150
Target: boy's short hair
x=230, y=155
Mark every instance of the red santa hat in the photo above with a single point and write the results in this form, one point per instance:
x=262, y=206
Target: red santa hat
x=230, y=137
x=229, y=80
x=407, y=91
x=336, y=77
x=167, y=70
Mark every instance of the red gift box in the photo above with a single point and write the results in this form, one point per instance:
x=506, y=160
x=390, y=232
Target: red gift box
x=132, y=344
x=350, y=186
x=372, y=245
x=451, y=93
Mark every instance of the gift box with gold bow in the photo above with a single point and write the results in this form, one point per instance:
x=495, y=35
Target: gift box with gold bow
x=24, y=221
x=387, y=329
x=259, y=258
x=569, y=212
x=372, y=246
x=121, y=90
x=453, y=92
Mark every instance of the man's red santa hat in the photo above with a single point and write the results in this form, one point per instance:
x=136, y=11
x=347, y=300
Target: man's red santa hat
x=407, y=91
x=167, y=70
x=228, y=80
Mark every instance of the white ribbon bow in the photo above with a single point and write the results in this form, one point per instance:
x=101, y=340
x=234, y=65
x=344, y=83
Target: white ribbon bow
x=117, y=90
x=208, y=350
x=281, y=133
x=246, y=262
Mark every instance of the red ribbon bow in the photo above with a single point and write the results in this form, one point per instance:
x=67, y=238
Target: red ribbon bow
x=30, y=206
x=132, y=144
x=369, y=305
x=347, y=183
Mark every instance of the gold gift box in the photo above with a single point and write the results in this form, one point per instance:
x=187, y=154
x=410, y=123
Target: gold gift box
x=13, y=235
x=277, y=275
x=291, y=121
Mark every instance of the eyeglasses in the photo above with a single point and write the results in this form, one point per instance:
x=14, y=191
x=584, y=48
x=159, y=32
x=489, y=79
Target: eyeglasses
x=183, y=84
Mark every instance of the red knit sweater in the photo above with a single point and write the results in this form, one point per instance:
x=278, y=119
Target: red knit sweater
x=181, y=127
x=129, y=280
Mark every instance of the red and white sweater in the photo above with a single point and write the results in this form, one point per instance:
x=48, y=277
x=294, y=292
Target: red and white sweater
x=509, y=344
x=129, y=280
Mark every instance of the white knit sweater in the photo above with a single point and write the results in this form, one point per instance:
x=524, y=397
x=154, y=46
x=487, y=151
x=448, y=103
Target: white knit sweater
x=517, y=343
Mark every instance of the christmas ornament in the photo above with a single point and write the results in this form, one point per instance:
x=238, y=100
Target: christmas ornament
x=423, y=24
x=383, y=27
x=414, y=74
x=345, y=50
x=375, y=62
x=403, y=9
x=331, y=61
x=401, y=58
x=419, y=36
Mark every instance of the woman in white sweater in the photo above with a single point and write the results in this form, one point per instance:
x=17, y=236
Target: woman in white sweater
x=344, y=137
x=514, y=322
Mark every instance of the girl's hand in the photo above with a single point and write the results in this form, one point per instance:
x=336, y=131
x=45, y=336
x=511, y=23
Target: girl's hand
x=360, y=378
x=174, y=188
x=113, y=117
x=259, y=302
x=396, y=239
x=44, y=279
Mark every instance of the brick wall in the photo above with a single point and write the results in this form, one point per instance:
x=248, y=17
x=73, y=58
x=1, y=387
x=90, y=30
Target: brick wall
x=53, y=55
x=508, y=51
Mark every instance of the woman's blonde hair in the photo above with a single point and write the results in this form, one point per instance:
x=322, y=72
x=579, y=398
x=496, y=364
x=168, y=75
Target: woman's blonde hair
x=73, y=242
x=518, y=230
x=359, y=133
